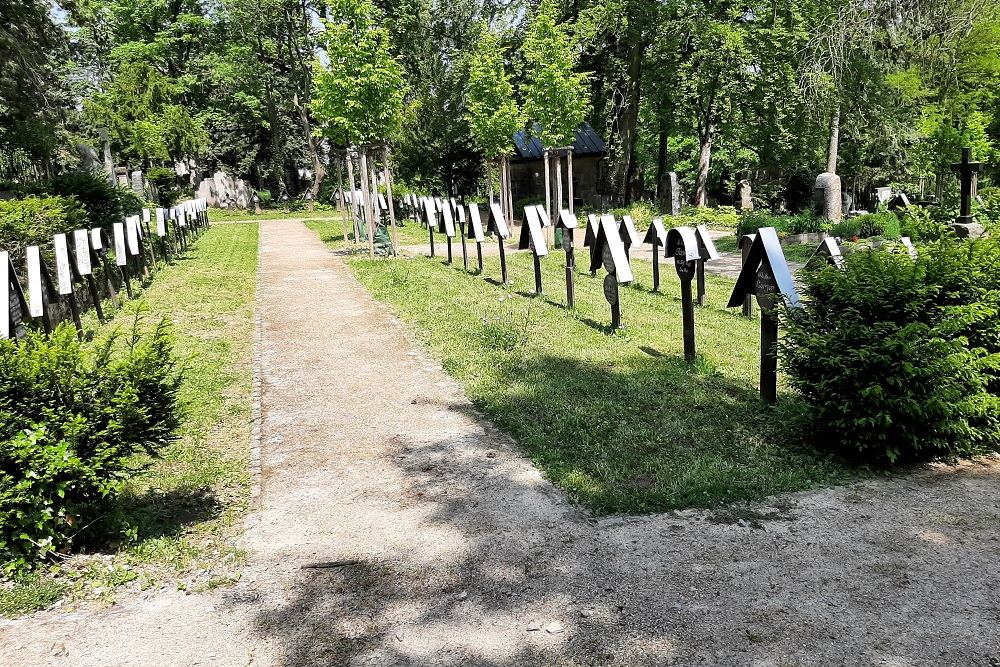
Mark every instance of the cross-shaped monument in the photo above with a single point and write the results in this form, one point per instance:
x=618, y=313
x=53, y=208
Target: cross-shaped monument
x=967, y=171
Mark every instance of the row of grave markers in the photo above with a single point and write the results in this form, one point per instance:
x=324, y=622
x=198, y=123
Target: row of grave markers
x=134, y=248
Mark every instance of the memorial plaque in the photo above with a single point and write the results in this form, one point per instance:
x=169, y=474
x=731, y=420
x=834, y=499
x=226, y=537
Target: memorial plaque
x=36, y=298
x=81, y=241
x=132, y=235
x=447, y=223
x=64, y=276
x=97, y=241
x=476, y=224
x=765, y=275
x=608, y=251
x=656, y=236
x=161, y=223
x=532, y=235
x=829, y=250
x=497, y=225
x=145, y=215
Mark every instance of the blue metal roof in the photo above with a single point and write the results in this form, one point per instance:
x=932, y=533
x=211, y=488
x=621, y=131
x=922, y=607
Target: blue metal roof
x=587, y=142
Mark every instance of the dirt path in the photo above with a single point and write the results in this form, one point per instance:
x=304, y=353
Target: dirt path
x=397, y=527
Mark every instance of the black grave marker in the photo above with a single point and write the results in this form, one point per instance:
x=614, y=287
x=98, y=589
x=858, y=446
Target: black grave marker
x=707, y=253
x=745, y=242
x=497, y=226
x=41, y=291
x=567, y=223
x=64, y=279
x=608, y=250
x=656, y=236
x=11, y=326
x=83, y=263
x=460, y=214
x=447, y=226
x=533, y=237
x=765, y=275
x=476, y=230
x=967, y=171
x=430, y=213
x=629, y=234
x=829, y=251
x=682, y=245
x=590, y=237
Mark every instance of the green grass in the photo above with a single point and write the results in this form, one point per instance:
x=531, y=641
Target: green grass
x=618, y=420
x=182, y=513
x=240, y=215
x=797, y=252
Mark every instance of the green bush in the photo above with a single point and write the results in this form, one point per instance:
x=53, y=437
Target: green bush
x=166, y=184
x=33, y=220
x=724, y=217
x=899, y=358
x=642, y=213
x=799, y=223
x=921, y=225
x=132, y=204
x=100, y=199
x=884, y=224
x=73, y=417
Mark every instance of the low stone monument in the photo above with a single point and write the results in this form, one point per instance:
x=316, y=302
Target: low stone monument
x=744, y=196
x=965, y=225
x=674, y=195
x=827, y=200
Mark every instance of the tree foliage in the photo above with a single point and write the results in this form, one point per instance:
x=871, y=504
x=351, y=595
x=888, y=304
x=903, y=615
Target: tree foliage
x=493, y=112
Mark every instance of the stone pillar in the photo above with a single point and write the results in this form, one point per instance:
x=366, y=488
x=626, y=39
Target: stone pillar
x=744, y=196
x=827, y=199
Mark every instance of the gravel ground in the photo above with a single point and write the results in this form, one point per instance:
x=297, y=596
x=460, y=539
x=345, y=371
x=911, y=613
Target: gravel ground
x=396, y=526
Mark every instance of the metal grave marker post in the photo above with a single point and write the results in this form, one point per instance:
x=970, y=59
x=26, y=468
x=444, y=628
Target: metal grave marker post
x=829, y=252
x=567, y=223
x=656, y=235
x=430, y=212
x=64, y=279
x=630, y=236
x=497, y=226
x=608, y=250
x=99, y=242
x=460, y=214
x=476, y=228
x=11, y=326
x=83, y=257
x=682, y=245
x=707, y=253
x=40, y=289
x=745, y=242
x=161, y=232
x=132, y=241
x=766, y=276
x=447, y=226
x=533, y=237
x=590, y=236
x=121, y=256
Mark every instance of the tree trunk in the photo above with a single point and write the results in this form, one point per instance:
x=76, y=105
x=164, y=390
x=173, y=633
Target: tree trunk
x=706, y=134
x=629, y=118
x=831, y=156
x=661, y=166
x=319, y=171
x=387, y=174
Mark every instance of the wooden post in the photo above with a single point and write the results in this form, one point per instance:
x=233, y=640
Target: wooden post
x=350, y=178
x=768, y=355
x=686, y=271
x=387, y=174
x=570, y=268
x=569, y=177
x=548, y=191
x=479, y=257
x=366, y=197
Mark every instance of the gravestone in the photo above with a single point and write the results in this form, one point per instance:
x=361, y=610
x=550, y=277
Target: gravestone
x=40, y=289
x=899, y=202
x=965, y=225
x=765, y=275
x=533, y=238
x=708, y=253
x=744, y=196
x=827, y=202
x=460, y=214
x=121, y=255
x=109, y=164
x=629, y=234
x=609, y=251
x=745, y=242
x=883, y=195
x=447, y=226
x=908, y=245
x=567, y=223
x=674, y=195
x=84, y=260
x=827, y=252
x=656, y=236
x=138, y=184
x=497, y=226
x=476, y=230
x=430, y=212
x=590, y=236
x=11, y=326
x=64, y=279
x=682, y=245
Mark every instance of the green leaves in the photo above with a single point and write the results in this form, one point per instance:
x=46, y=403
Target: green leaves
x=492, y=112
x=556, y=95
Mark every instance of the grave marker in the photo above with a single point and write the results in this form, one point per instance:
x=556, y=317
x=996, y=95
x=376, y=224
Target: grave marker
x=11, y=326
x=121, y=256
x=84, y=258
x=533, y=237
x=629, y=235
x=567, y=223
x=99, y=242
x=656, y=235
x=64, y=279
x=745, y=242
x=682, y=245
x=40, y=289
x=910, y=249
x=829, y=250
x=447, y=226
x=708, y=253
x=460, y=214
x=965, y=224
x=765, y=275
x=497, y=226
x=430, y=212
x=609, y=251
x=590, y=236
x=476, y=227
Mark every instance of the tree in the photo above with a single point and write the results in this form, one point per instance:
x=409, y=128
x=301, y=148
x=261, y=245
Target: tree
x=491, y=110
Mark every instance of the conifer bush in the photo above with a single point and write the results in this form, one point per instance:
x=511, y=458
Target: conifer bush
x=898, y=358
x=73, y=419
x=33, y=220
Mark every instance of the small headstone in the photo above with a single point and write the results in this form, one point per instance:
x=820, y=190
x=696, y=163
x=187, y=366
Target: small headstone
x=533, y=237
x=64, y=275
x=883, y=195
x=674, y=196
x=827, y=201
x=497, y=226
x=36, y=298
x=829, y=252
x=609, y=251
x=138, y=184
x=744, y=196
x=656, y=236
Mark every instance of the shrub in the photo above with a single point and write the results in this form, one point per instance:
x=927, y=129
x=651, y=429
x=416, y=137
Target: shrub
x=722, y=216
x=33, y=220
x=799, y=223
x=72, y=418
x=165, y=182
x=642, y=213
x=100, y=199
x=884, y=224
x=132, y=204
x=920, y=225
x=898, y=358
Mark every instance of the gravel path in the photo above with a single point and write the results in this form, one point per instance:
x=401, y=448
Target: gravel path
x=398, y=527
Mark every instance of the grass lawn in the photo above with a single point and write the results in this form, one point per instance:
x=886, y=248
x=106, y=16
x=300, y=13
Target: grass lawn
x=798, y=252
x=183, y=512
x=232, y=215
x=618, y=420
